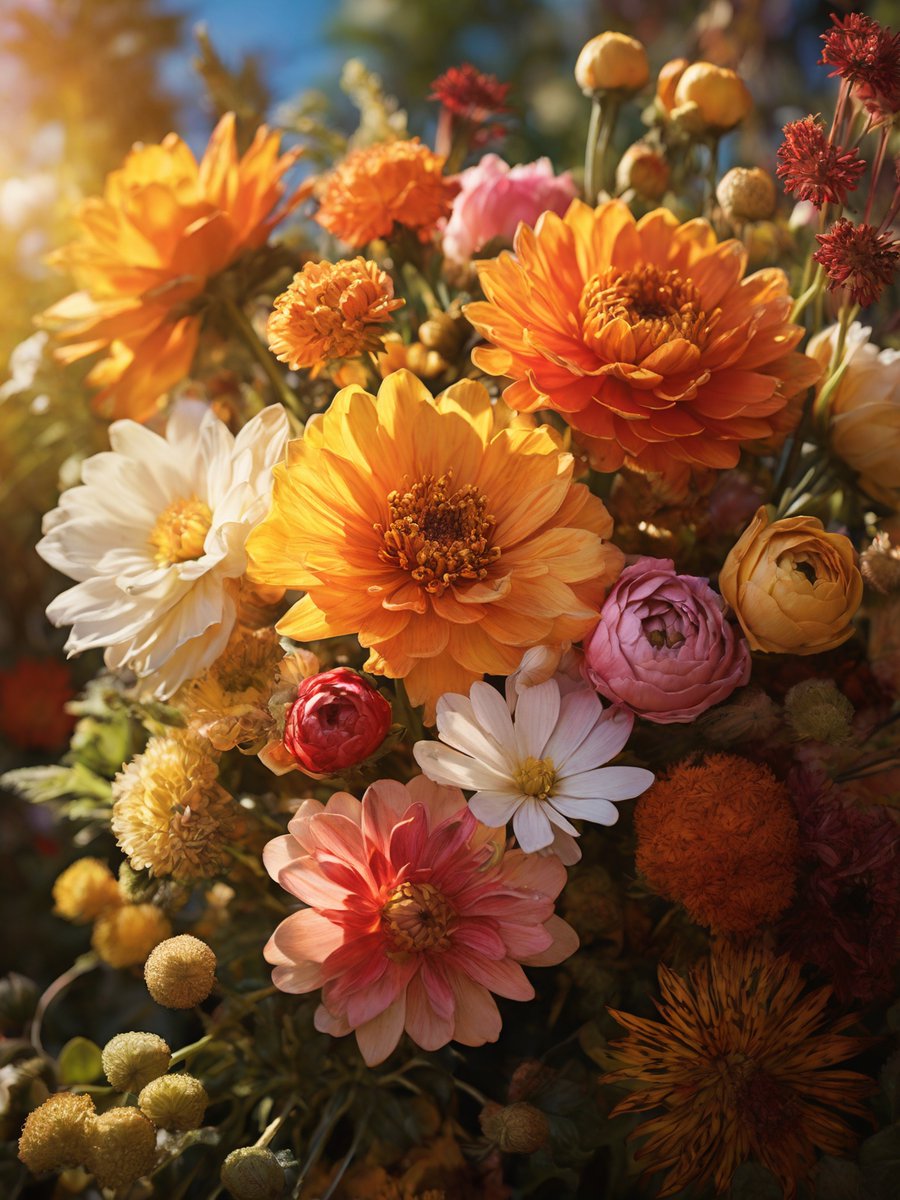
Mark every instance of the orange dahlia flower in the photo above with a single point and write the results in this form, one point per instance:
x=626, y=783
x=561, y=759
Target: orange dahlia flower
x=377, y=187
x=449, y=547
x=643, y=334
x=163, y=226
x=331, y=310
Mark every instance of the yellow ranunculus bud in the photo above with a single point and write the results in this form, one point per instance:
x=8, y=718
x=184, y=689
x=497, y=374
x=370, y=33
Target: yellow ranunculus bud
x=794, y=588
x=612, y=62
x=667, y=81
x=710, y=98
x=644, y=169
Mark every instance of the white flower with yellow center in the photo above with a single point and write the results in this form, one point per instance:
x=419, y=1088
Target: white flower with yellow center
x=155, y=538
x=541, y=766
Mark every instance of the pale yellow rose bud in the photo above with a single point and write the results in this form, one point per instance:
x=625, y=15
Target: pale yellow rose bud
x=612, y=62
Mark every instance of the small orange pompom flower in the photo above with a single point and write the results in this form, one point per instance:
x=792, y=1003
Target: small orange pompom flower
x=146, y=249
x=377, y=187
x=331, y=310
x=721, y=839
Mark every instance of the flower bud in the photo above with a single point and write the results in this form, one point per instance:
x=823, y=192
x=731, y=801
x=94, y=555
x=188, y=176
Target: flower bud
x=518, y=1128
x=336, y=722
x=176, y=1102
x=180, y=972
x=667, y=81
x=444, y=333
x=645, y=170
x=752, y=717
x=55, y=1135
x=18, y=1000
x=125, y=936
x=880, y=565
x=747, y=194
x=612, y=62
x=816, y=711
x=85, y=890
x=713, y=98
x=253, y=1173
x=132, y=1060
x=121, y=1147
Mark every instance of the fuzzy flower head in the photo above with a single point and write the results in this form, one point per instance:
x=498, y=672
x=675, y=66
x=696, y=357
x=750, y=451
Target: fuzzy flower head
x=155, y=538
x=164, y=225
x=376, y=188
x=416, y=916
x=814, y=169
x=858, y=257
x=740, y=1066
x=866, y=56
x=654, y=347
x=538, y=768
x=331, y=311
x=170, y=813
x=721, y=839
x=470, y=94
x=85, y=890
x=446, y=544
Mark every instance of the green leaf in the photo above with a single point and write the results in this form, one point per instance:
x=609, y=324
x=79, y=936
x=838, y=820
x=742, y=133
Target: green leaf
x=41, y=784
x=80, y=1061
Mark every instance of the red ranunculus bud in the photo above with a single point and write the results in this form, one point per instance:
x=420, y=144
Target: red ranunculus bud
x=337, y=721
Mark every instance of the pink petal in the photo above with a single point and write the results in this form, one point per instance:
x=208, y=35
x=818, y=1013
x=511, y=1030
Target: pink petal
x=440, y=802
x=340, y=838
x=383, y=805
x=379, y=1037
x=303, y=878
x=368, y=1003
x=522, y=941
x=477, y=1016
x=563, y=946
x=279, y=853
x=542, y=872
x=505, y=978
x=481, y=937
x=327, y=1022
x=408, y=839
x=304, y=936
x=424, y=1026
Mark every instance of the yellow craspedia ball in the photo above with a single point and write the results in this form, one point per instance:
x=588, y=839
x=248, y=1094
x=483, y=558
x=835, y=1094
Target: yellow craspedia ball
x=747, y=194
x=121, y=1147
x=132, y=1060
x=712, y=98
x=180, y=972
x=612, y=62
x=175, y=1102
x=55, y=1134
x=84, y=890
x=253, y=1173
x=125, y=936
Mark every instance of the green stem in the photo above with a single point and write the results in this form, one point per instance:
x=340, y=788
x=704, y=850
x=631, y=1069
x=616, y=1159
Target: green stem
x=243, y=326
x=607, y=129
x=85, y=964
x=591, y=185
x=836, y=367
x=186, y=1051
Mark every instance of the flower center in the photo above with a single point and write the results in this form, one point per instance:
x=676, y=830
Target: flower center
x=417, y=917
x=663, y=628
x=657, y=305
x=180, y=531
x=536, y=777
x=764, y=1103
x=439, y=535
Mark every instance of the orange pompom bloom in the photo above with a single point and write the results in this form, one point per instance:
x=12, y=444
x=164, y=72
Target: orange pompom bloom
x=377, y=187
x=721, y=839
x=643, y=334
x=164, y=225
x=331, y=310
x=448, y=545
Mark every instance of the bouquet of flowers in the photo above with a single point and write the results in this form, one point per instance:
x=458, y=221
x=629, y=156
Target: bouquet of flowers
x=491, y=785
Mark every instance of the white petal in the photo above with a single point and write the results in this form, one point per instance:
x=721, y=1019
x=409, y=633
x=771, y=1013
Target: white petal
x=495, y=808
x=579, y=712
x=458, y=731
x=612, y=783
x=537, y=712
x=492, y=713
x=532, y=829
x=601, y=812
x=605, y=741
x=447, y=766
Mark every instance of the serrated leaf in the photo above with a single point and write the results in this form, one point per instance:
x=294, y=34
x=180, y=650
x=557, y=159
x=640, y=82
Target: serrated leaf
x=80, y=1061
x=42, y=784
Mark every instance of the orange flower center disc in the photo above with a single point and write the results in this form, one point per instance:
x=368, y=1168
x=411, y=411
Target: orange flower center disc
x=181, y=530
x=418, y=917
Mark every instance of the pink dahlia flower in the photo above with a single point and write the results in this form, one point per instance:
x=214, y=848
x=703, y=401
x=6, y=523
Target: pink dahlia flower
x=416, y=915
x=663, y=646
x=494, y=197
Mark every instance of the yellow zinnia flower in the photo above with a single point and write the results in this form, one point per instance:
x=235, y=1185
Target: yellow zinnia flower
x=163, y=227
x=447, y=545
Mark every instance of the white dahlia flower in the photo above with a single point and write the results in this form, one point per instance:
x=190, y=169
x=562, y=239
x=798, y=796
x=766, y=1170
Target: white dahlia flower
x=155, y=538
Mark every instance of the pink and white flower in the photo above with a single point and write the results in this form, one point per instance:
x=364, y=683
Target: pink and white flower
x=540, y=768
x=416, y=915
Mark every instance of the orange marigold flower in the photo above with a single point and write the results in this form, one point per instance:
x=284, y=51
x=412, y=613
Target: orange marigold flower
x=331, y=310
x=721, y=839
x=643, y=334
x=448, y=546
x=377, y=187
x=33, y=696
x=742, y=1067
x=163, y=226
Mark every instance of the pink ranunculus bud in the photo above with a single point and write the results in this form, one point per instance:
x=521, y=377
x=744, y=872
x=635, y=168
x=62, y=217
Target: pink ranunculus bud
x=663, y=646
x=336, y=722
x=494, y=197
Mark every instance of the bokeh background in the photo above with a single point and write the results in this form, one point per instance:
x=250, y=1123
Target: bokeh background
x=81, y=80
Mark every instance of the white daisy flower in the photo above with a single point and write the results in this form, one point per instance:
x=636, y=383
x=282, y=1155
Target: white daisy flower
x=542, y=768
x=155, y=538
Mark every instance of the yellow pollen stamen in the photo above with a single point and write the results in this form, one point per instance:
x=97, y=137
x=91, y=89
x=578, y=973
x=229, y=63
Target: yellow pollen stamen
x=438, y=535
x=181, y=530
x=417, y=917
x=657, y=305
x=536, y=777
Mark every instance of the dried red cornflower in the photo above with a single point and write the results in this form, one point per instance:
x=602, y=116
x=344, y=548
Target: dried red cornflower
x=857, y=257
x=846, y=917
x=815, y=169
x=867, y=56
x=467, y=92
